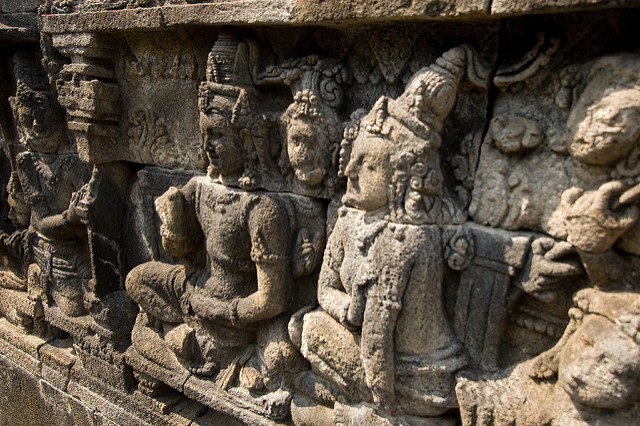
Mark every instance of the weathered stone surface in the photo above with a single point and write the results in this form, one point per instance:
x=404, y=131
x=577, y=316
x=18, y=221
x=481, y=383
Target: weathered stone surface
x=319, y=10
x=19, y=26
x=515, y=7
x=27, y=400
x=319, y=212
x=102, y=16
x=17, y=6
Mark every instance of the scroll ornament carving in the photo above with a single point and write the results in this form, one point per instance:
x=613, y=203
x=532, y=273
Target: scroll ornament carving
x=148, y=134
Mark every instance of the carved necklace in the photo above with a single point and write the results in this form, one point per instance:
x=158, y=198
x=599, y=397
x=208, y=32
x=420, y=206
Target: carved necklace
x=367, y=235
x=50, y=168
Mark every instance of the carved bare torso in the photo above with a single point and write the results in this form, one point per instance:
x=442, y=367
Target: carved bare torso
x=240, y=230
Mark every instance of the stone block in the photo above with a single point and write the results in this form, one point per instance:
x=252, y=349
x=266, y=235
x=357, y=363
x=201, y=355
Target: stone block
x=18, y=6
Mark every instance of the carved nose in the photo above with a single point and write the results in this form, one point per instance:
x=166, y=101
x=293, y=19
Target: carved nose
x=349, y=171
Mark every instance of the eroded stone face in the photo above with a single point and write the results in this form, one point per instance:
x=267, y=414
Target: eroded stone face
x=367, y=171
x=215, y=214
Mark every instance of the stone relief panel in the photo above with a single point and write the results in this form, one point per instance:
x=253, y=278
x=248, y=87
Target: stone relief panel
x=47, y=253
x=217, y=320
x=159, y=127
x=369, y=342
x=54, y=283
x=363, y=223
x=557, y=159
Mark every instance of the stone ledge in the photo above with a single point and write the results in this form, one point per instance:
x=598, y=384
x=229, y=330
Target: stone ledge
x=237, y=12
x=19, y=27
x=523, y=7
x=253, y=12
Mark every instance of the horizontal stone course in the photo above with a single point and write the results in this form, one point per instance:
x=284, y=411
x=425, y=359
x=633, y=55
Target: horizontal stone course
x=300, y=12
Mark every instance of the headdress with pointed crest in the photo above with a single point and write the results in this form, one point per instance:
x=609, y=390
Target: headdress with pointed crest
x=412, y=124
x=34, y=94
x=430, y=95
x=227, y=76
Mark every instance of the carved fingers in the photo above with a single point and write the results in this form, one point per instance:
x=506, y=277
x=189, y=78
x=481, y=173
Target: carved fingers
x=552, y=259
x=596, y=219
x=551, y=262
x=78, y=212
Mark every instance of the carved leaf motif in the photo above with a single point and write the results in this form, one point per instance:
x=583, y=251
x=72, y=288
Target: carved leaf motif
x=392, y=48
x=360, y=62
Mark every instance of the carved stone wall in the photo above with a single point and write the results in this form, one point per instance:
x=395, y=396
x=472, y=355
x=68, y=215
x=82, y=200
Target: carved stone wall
x=319, y=212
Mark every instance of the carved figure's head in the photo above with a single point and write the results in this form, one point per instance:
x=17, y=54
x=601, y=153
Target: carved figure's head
x=224, y=110
x=38, y=116
x=600, y=364
x=312, y=135
x=605, y=121
x=393, y=159
x=225, y=107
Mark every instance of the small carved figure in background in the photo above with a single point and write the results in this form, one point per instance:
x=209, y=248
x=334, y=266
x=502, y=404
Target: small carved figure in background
x=312, y=133
x=310, y=128
x=52, y=179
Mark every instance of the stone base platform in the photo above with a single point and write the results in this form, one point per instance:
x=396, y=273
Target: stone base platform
x=47, y=378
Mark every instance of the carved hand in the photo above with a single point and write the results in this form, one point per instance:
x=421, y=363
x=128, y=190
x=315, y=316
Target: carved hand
x=551, y=262
x=210, y=308
x=171, y=207
x=77, y=213
x=596, y=219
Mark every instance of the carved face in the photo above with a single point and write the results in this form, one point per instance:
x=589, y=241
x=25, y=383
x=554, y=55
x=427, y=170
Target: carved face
x=600, y=365
x=221, y=144
x=368, y=172
x=604, y=131
x=308, y=151
x=39, y=123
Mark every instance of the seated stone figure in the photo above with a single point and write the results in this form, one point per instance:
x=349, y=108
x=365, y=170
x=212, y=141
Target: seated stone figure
x=52, y=178
x=224, y=313
x=381, y=335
